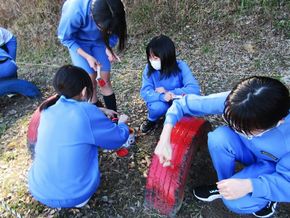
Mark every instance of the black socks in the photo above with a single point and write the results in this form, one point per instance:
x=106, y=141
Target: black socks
x=110, y=102
x=98, y=103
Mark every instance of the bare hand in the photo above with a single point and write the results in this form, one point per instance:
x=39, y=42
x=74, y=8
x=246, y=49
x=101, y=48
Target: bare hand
x=164, y=152
x=123, y=118
x=109, y=113
x=112, y=56
x=93, y=62
x=232, y=189
x=160, y=90
x=168, y=96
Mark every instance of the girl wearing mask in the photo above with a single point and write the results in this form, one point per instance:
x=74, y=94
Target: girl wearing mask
x=164, y=79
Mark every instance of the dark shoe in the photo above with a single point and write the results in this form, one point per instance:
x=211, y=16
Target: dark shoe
x=147, y=126
x=267, y=211
x=207, y=193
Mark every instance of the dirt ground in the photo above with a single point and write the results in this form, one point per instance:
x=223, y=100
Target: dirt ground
x=218, y=61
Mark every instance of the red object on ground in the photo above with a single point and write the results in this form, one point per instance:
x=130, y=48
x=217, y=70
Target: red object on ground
x=33, y=127
x=122, y=152
x=165, y=185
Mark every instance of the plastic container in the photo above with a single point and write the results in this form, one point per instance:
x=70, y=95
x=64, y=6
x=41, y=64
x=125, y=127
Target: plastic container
x=124, y=150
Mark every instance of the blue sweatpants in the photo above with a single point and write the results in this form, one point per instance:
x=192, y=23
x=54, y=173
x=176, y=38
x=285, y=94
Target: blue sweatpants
x=97, y=51
x=226, y=147
x=8, y=69
x=157, y=109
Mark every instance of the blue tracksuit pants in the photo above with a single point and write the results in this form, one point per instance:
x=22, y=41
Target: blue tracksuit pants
x=97, y=51
x=157, y=109
x=226, y=147
x=8, y=69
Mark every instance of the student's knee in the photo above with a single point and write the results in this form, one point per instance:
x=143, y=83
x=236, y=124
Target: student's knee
x=157, y=109
x=220, y=136
x=9, y=69
x=245, y=205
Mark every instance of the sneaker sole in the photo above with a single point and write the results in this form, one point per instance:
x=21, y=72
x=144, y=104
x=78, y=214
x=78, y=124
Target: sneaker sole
x=209, y=199
x=145, y=133
x=268, y=215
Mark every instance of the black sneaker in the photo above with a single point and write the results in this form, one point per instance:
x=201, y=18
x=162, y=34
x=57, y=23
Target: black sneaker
x=267, y=211
x=147, y=126
x=207, y=193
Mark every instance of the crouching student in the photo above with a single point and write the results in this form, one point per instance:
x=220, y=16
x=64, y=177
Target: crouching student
x=65, y=170
x=164, y=79
x=8, y=47
x=257, y=135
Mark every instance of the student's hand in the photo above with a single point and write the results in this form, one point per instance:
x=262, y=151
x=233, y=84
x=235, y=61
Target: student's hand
x=160, y=90
x=164, y=152
x=109, y=113
x=93, y=62
x=168, y=96
x=123, y=118
x=232, y=189
x=112, y=56
x=163, y=149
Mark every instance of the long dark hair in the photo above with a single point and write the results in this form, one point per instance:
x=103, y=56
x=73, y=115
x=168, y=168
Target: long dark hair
x=69, y=81
x=163, y=47
x=110, y=17
x=256, y=103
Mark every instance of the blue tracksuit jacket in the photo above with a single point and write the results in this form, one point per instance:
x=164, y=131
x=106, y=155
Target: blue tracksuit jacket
x=77, y=26
x=183, y=83
x=65, y=170
x=272, y=147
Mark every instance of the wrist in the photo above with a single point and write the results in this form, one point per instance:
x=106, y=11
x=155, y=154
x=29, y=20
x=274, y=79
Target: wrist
x=249, y=185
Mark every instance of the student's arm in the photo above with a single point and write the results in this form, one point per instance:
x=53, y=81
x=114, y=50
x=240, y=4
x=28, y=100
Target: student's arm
x=192, y=105
x=70, y=22
x=147, y=91
x=195, y=105
x=190, y=84
x=275, y=186
x=106, y=134
x=11, y=46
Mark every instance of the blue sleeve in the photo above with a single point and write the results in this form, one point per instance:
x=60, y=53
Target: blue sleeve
x=106, y=134
x=12, y=47
x=190, y=84
x=70, y=22
x=113, y=40
x=148, y=90
x=195, y=105
x=276, y=186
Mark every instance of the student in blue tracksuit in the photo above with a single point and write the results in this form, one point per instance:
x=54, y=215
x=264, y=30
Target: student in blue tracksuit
x=257, y=135
x=65, y=170
x=164, y=78
x=90, y=28
x=8, y=47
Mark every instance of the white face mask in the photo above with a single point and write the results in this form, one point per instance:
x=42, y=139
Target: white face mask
x=156, y=64
x=250, y=137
